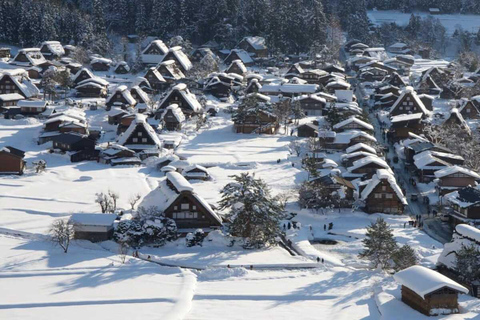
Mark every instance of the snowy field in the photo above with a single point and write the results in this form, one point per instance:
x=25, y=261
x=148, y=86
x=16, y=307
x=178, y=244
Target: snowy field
x=467, y=22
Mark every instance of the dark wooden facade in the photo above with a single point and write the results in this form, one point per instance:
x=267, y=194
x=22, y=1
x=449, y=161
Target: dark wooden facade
x=11, y=161
x=383, y=199
x=443, y=298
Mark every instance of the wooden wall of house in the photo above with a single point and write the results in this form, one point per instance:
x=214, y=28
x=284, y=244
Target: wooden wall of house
x=450, y=181
x=203, y=220
x=383, y=204
x=11, y=164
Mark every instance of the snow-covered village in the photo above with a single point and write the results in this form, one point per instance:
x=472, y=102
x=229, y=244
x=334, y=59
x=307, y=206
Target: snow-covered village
x=239, y=159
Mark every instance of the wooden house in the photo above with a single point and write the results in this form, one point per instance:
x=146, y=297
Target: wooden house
x=335, y=85
x=196, y=172
x=69, y=49
x=307, y=130
x=218, y=88
x=253, y=86
x=396, y=80
x=9, y=100
x=32, y=107
x=5, y=53
x=295, y=70
x=73, y=126
x=154, y=52
x=144, y=84
x=349, y=158
x=94, y=227
x=121, y=98
x=181, y=96
x=181, y=60
x=408, y=102
x=140, y=136
x=28, y=57
x=155, y=79
x=95, y=87
x=11, y=161
x=353, y=123
x=469, y=109
x=368, y=166
x=465, y=204
x=289, y=89
x=121, y=67
x=262, y=122
x=427, y=101
x=176, y=197
x=18, y=83
x=455, y=177
x=428, y=291
x=172, y=118
x=402, y=125
x=82, y=75
x=426, y=165
x=237, y=67
x=115, y=155
x=239, y=54
x=343, y=140
x=255, y=46
x=333, y=68
x=456, y=118
x=170, y=71
x=382, y=194
x=312, y=105
x=72, y=142
x=101, y=64
x=344, y=188
x=52, y=50
x=142, y=98
x=199, y=53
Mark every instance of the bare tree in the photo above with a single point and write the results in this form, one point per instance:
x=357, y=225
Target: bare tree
x=104, y=201
x=114, y=196
x=134, y=198
x=61, y=232
x=296, y=146
x=283, y=110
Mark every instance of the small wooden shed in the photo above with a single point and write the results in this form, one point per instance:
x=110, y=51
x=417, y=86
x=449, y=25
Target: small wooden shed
x=428, y=291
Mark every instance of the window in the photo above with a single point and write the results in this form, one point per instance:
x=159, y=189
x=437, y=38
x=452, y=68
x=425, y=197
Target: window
x=410, y=103
x=175, y=208
x=144, y=140
x=405, y=103
x=378, y=195
x=389, y=196
x=135, y=140
x=468, y=110
x=384, y=188
x=401, y=108
x=194, y=207
x=185, y=206
x=140, y=134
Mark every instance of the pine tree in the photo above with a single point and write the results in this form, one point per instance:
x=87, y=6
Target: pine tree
x=379, y=244
x=468, y=263
x=254, y=214
x=404, y=257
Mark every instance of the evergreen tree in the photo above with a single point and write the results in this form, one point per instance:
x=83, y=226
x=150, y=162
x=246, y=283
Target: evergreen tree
x=254, y=214
x=404, y=257
x=379, y=244
x=468, y=263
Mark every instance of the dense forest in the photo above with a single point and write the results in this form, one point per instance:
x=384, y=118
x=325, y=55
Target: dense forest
x=289, y=26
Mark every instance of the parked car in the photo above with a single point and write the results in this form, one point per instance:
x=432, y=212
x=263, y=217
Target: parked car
x=414, y=197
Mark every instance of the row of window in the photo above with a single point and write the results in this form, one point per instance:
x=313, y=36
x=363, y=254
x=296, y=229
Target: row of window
x=383, y=195
x=185, y=215
x=136, y=140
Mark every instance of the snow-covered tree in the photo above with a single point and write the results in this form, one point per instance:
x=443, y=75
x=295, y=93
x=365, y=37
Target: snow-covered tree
x=404, y=257
x=254, y=213
x=379, y=243
x=468, y=263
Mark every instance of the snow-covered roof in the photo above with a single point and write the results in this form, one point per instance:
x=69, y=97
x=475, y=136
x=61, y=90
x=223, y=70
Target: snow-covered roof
x=179, y=182
x=181, y=57
x=423, y=281
x=140, y=120
x=338, y=83
x=258, y=43
x=32, y=103
x=176, y=111
x=406, y=117
x=123, y=90
x=353, y=119
x=34, y=57
x=23, y=82
x=368, y=160
x=93, y=219
x=423, y=161
x=11, y=97
x=347, y=136
x=359, y=146
x=409, y=91
x=356, y=154
x=383, y=175
x=239, y=64
x=122, y=64
x=309, y=96
x=456, y=169
x=54, y=47
x=101, y=60
x=189, y=97
x=242, y=55
x=143, y=95
x=468, y=231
